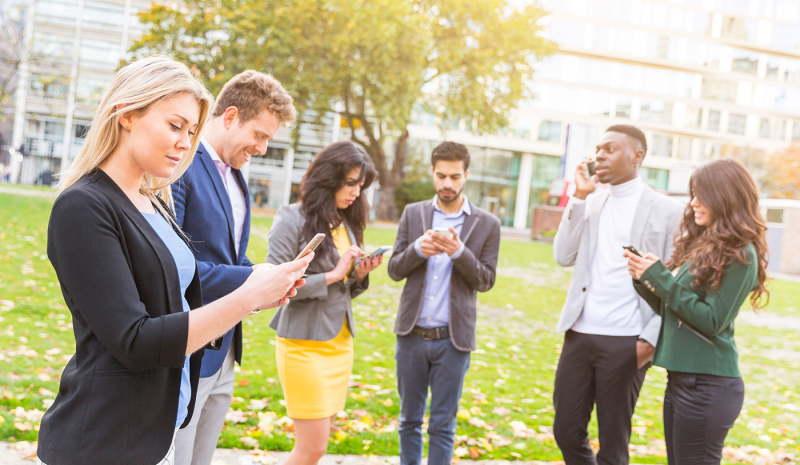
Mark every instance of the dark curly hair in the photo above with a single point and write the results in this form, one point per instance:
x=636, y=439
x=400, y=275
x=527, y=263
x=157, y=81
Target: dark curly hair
x=326, y=175
x=728, y=191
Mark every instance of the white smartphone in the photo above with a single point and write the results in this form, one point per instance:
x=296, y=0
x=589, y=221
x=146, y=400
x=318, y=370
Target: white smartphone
x=312, y=245
x=444, y=232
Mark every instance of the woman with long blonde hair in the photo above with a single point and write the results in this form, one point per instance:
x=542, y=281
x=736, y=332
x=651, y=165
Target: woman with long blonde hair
x=129, y=278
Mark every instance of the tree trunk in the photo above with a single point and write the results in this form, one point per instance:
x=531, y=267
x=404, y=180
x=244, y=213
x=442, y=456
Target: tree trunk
x=387, y=208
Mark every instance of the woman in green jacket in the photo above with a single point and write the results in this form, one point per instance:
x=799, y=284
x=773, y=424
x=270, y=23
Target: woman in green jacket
x=719, y=260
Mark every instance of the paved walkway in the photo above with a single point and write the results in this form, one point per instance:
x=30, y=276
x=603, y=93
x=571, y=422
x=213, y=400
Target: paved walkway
x=12, y=454
x=9, y=189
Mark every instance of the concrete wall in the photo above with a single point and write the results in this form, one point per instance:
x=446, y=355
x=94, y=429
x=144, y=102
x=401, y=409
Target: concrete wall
x=790, y=249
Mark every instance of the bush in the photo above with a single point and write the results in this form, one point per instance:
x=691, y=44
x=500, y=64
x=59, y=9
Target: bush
x=413, y=191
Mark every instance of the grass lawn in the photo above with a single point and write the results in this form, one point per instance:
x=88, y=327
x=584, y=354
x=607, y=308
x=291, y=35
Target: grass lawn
x=506, y=406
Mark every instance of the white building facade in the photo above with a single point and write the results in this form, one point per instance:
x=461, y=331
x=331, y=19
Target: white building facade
x=702, y=78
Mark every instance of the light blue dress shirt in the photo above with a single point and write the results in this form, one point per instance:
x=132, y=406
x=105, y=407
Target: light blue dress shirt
x=436, y=306
x=184, y=260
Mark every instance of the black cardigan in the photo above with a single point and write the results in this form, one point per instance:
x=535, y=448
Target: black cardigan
x=118, y=398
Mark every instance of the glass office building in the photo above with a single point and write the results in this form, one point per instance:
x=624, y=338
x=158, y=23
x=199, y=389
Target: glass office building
x=701, y=78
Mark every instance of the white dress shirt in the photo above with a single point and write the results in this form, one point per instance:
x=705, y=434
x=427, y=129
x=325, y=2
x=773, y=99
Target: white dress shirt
x=235, y=193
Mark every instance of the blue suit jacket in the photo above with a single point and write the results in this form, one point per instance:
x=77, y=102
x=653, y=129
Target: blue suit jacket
x=203, y=210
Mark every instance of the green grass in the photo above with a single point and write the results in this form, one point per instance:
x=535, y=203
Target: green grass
x=510, y=379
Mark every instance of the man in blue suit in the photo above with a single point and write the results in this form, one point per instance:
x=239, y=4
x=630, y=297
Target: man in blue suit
x=212, y=205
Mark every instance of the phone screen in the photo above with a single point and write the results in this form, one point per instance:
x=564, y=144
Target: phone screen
x=631, y=249
x=312, y=245
x=591, y=167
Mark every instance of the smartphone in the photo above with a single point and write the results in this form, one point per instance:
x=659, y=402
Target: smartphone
x=631, y=249
x=381, y=250
x=312, y=245
x=443, y=231
x=591, y=168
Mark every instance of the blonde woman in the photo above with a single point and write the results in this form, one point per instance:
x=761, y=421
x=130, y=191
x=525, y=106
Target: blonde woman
x=129, y=278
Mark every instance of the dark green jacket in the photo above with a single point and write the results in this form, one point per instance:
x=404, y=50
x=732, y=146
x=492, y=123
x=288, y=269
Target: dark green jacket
x=696, y=327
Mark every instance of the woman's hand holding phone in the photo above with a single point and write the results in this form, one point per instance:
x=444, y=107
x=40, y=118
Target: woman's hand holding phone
x=637, y=264
x=343, y=266
x=368, y=264
x=269, y=287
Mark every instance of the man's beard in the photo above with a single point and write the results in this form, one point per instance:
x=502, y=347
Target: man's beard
x=455, y=197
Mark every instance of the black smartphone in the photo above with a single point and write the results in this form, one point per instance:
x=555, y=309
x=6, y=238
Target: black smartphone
x=632, y=250
x=382, y=250
x=591, y=167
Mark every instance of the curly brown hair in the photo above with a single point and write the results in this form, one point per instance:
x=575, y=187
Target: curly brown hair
x=727, y=190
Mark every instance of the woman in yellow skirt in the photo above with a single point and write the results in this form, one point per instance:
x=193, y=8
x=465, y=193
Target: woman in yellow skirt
x=315, y=330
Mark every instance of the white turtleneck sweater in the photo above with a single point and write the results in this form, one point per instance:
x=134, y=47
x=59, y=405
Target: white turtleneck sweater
x=612, y=306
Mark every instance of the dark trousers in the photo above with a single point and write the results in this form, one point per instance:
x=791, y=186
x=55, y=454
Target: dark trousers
x=442, y=367
x=699, y=410
x=602, y=371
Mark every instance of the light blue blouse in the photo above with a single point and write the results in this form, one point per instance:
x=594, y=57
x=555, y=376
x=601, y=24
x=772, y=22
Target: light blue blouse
x=184, y=260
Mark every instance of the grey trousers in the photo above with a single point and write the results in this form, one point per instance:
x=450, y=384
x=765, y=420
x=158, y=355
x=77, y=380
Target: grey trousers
x=195, y=444
x=437, y=365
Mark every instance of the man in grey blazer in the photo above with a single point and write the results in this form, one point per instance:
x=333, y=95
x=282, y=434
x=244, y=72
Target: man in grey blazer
x=611, y=332
x=436, y=319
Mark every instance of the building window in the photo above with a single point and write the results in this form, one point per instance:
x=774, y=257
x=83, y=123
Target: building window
x=550, y=131
x=713, y=120
x=623, y=108
x=736, y=124
x=273, y=157
x=764, y=128
x=719, y=90
x=779, y=130
x=684, y=148
x=796, y=130
x=694, y=117
x=739, y=28
x=656, y=111
x=661, y=145
x=656, y=178
x=746, y=64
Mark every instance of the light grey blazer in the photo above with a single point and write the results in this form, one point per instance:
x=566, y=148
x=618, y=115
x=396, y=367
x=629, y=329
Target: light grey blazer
x=318, y=311
x=655, y=223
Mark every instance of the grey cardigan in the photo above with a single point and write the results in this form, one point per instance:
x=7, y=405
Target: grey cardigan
x=473, y=271
x=655, y=223
x=318, y=311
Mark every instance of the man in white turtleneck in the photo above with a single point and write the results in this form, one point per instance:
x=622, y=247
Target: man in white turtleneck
x=612, y=305
x=611, y=333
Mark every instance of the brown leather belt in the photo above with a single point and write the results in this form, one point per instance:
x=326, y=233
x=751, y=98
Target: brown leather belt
x=431, y=334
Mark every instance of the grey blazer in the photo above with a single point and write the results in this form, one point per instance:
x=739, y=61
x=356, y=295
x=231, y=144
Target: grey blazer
x=473, y=271
x=318, y=311
x=655, y=223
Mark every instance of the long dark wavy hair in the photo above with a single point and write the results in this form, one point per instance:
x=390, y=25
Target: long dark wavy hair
x=326, y=175
x=727, y=190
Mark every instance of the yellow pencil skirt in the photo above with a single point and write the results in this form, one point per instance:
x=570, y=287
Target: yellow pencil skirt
x=314, y=375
